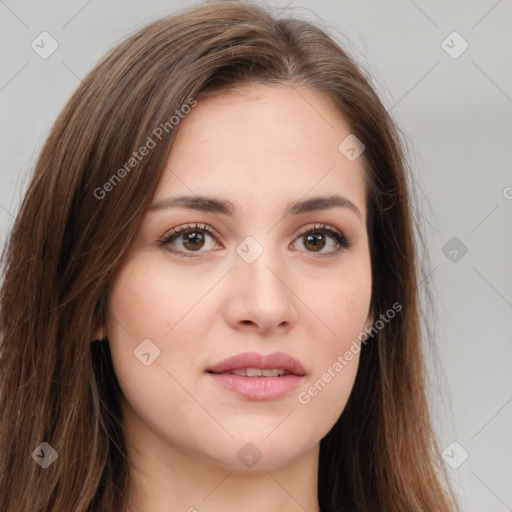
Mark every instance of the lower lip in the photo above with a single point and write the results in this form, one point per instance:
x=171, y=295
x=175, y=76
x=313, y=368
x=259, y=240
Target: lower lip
x=257, y=388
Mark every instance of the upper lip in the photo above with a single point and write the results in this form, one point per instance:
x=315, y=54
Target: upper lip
x=276, y=360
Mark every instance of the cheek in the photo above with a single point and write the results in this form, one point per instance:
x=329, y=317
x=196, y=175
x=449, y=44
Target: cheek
x=135, y=319
x=157, y=312
x=145, y=318
x=323, y=400
x=341, y=303
x=149, y=301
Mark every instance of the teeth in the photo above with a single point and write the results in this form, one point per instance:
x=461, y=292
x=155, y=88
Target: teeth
x=253, y=372
x=272, y=373
x=257, y=372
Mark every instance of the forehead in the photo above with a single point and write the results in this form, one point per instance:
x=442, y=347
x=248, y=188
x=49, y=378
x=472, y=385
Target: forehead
x=263, y=144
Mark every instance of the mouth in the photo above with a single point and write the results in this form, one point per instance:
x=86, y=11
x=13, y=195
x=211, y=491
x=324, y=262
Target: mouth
x=253, y=364
x=257, y=376
x=256, y=372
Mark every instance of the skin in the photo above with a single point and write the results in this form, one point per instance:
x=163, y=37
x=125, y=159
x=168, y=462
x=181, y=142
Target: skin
x=261, y=148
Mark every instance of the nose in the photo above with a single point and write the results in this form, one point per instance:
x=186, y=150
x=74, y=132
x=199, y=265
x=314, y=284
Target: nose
x=261, y=298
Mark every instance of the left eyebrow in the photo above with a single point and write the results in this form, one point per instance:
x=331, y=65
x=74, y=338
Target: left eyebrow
x=225, y=207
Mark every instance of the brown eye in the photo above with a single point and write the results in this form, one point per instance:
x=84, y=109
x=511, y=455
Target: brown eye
x=193, y=240
x=189, y=239
x=317, y=238
x=314, y=241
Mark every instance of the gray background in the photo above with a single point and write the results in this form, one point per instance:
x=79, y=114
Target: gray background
x=456, y=113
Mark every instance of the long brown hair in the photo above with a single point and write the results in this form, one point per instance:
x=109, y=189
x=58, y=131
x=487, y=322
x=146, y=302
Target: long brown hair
x=72, y=231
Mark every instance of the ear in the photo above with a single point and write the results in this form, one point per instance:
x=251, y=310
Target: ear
x=367, y=324
x=369, y=320
x=100, y=333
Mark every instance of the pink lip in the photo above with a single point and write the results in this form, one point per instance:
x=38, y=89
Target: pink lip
x=258, y=388
x=263, y=361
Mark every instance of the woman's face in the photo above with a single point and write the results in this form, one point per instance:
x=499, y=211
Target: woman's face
x=245, y=281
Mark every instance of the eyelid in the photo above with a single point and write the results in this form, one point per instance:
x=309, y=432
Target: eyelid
x=189, y=227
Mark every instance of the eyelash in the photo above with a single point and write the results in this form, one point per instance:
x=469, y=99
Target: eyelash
x=343, y=241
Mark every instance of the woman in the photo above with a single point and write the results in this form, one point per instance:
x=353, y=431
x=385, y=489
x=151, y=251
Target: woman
x=210, y=293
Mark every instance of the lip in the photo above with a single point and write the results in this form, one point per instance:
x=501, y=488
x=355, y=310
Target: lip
x=258, y=388
x=263, y=361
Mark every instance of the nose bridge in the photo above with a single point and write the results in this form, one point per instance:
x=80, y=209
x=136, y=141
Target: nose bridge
x=263, y=296
x=260, y=264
